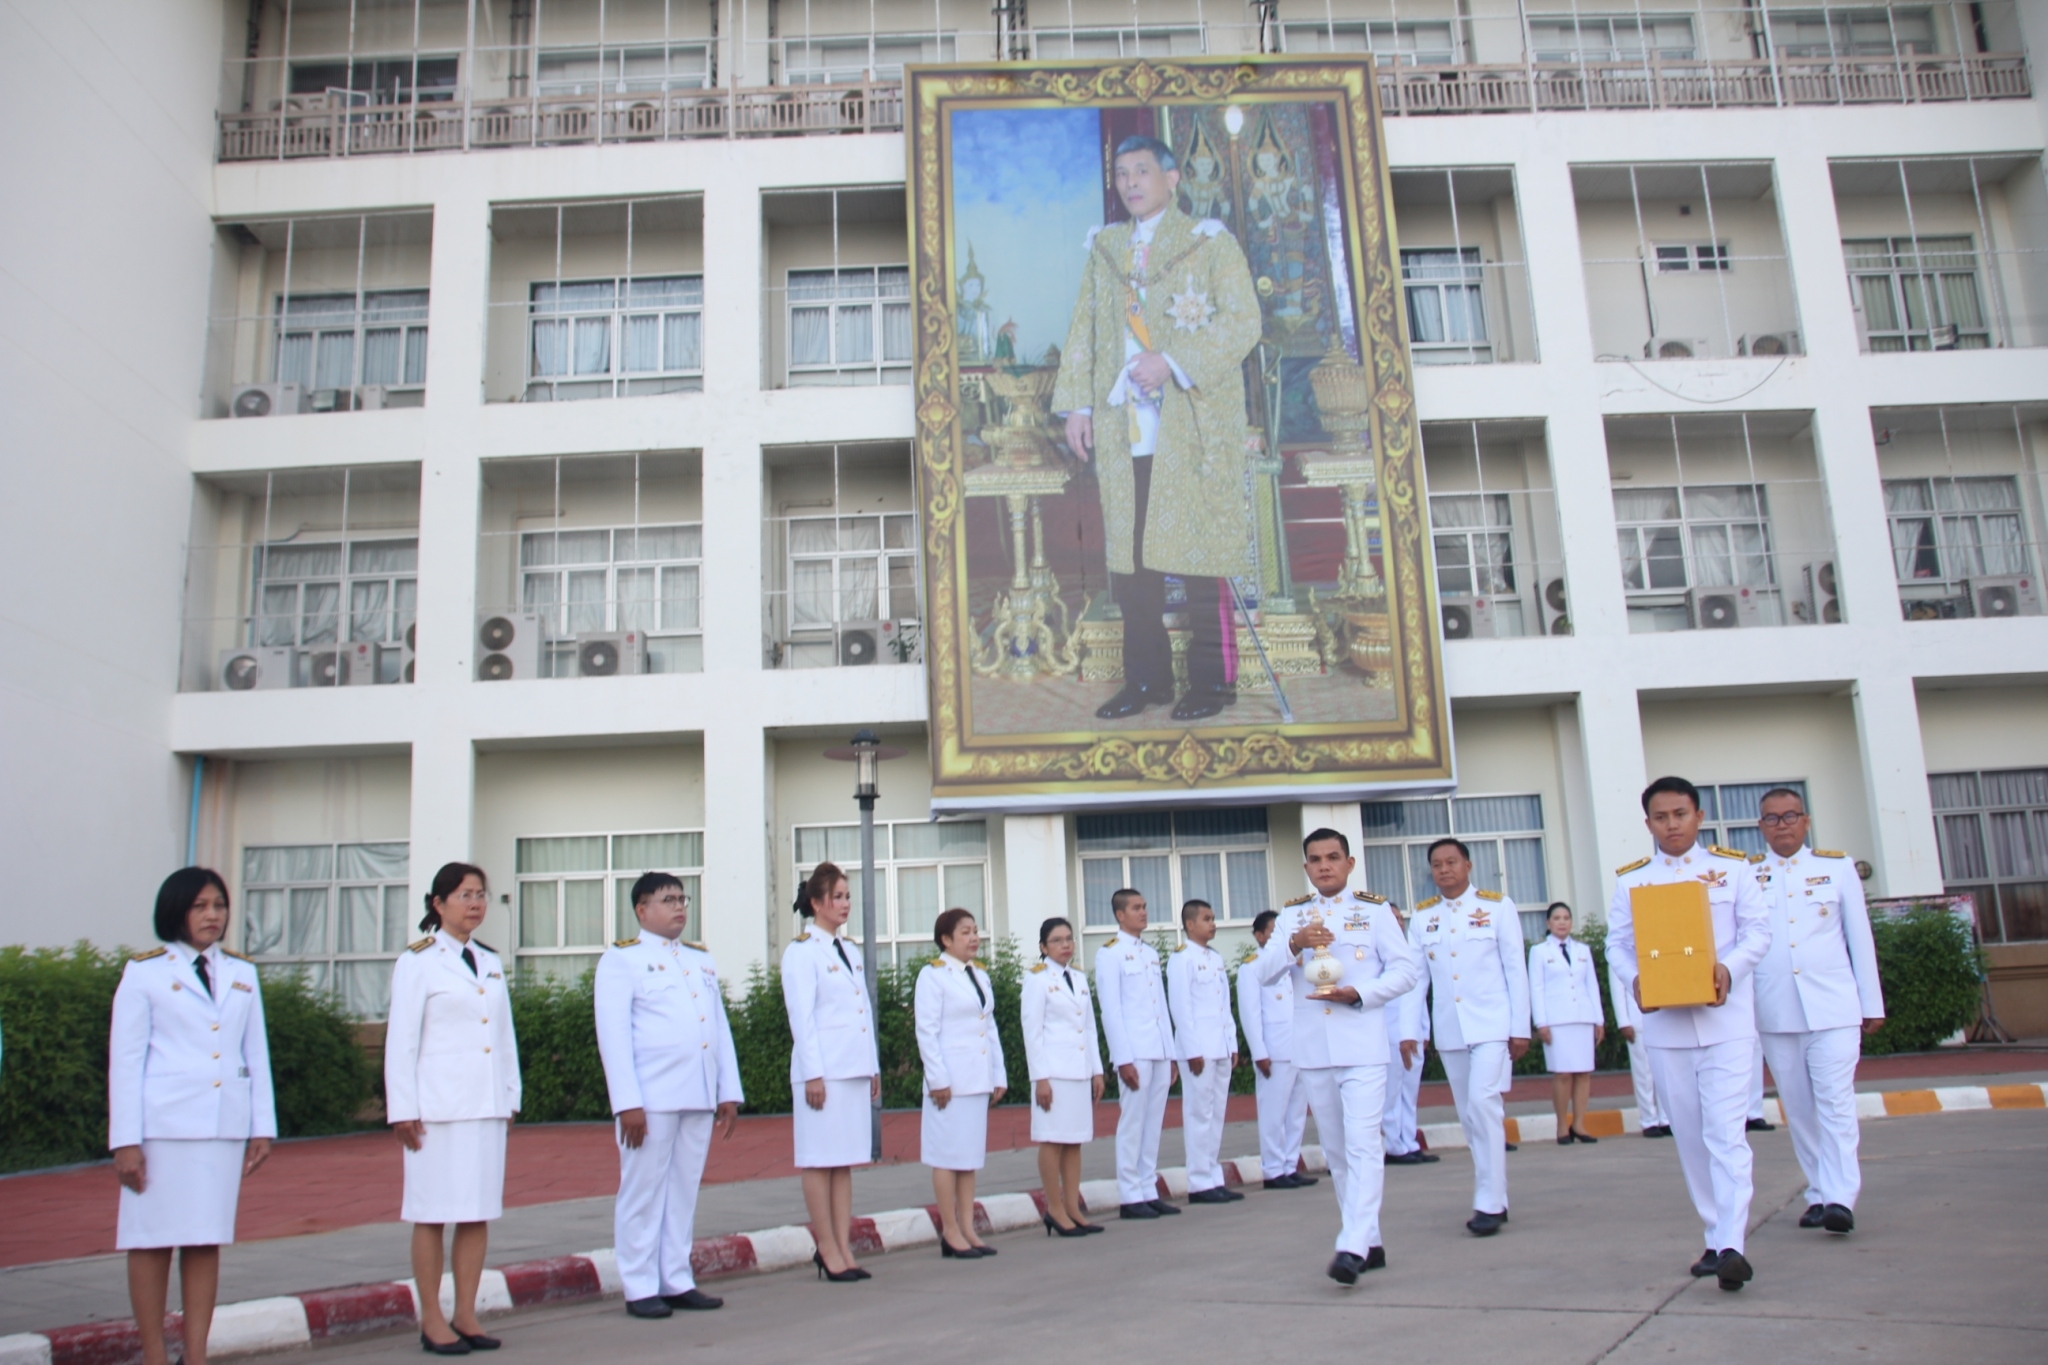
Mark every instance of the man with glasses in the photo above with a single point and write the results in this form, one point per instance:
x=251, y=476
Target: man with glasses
x=1817, y=992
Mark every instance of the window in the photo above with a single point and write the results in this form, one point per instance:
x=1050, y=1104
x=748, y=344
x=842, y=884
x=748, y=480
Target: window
x=1709, y=536
x=1993, y=830
x=1219, y=856
x=1150, y=41
x=565, y=882
x=643, y=578
x=624, y=70
x=1446, y=315
x=921, y=868
x=1392, y=44
x=300, y=592
x=852, y=569
x=1730, y=812
x=1474, y=551
x=856, y=58
x=1684, y=257
x=609, y=338
x=855, y=317
x=338, y=914
x=325, y=342
x=386, y=80
x=1505, y=834
x=1952, y=530
x=1612, y=38
x=1869, y=32
x=1917, y=293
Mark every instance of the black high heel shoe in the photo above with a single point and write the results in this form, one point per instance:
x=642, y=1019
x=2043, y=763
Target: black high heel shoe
x=836, y=1276
x=1054, y=1229
x=947, y=1251
x=477, y=1340
x=457, y=1347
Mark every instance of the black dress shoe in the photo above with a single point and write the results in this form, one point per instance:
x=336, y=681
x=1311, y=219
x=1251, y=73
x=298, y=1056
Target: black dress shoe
x=1404, y=1159
x=1513, y=1148
x=1484, y=1224
x=1302, y=1182
x=1426, y=1158
x=1733, y=1270
x=1760, y=1126
x=1657, y=1130
x=1134, y=698
x=648, y=1308
x=1233, y=1195
x=1346, y=1267
x=1218, y=1195
x=1137, y=1211
x=1376, y=1258
x=1283, y=1182
x=1838, y=1218
x=479, y=1342
x=983, y=1249
x=1201, y=702
x=457, y=1347
x=1586, y=1138
x=1164, y=1209
x=1707, y=1264
x=1815, y=1216
x=693, y=1300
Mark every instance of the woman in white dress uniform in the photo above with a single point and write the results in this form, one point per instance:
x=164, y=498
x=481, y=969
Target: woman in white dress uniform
x=963, y=1076
x=835, y=1068
x=451, y=1087
x=1066, y=1074
x=1564, y=1005
x=189, y=1107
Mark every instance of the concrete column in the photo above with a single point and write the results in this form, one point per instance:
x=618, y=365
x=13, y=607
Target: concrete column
x=1907, y=857
x=449, y=472
x=1343, y=816
x=732, y=458
x=443, y=824
x=1611, y=733
x=737, y=845
x=1036, y=874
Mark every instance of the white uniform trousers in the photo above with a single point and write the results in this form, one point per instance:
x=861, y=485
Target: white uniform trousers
x=1404, y=1087
x=1648, y=1114
x=654, y=1221
x=1202, y=1099
x=1475, y=1074
x=1756, y=1083
x=1139, y=1118
x=1816, y=1076
x=1283, y=1117
x=1348, y=1102
x=1704, y=1091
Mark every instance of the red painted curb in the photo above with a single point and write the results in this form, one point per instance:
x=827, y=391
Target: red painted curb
x=561, y=1279
x=355, y=1311
x=863, y=1237
x=711, y=1257
x=107, y=1343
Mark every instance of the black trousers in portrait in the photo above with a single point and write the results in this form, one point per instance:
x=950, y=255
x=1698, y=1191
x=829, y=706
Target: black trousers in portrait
x=1141, y=597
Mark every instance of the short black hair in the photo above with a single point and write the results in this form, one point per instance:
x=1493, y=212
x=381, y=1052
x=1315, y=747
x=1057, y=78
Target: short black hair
x=1317, y=836
x=1782, y=791
x=1056, y=922
x=1556, y=906
x=1138, y=142
x=949, y=923
x=175, y=897
x=1119, y=899
x=1677, y=786
x=1264, y=918
x=651, y=883
x=1448, y=842
x=1188, y=908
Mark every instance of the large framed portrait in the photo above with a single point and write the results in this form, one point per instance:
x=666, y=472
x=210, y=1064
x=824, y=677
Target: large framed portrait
x=1175, y=539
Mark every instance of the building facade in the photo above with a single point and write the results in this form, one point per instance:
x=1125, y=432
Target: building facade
x=495, y=423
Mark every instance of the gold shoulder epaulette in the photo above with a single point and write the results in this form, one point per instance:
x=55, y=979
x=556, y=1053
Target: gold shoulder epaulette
x=1038, y=966
x=979, y=963
x=689, y=944
x=1721, y=852
x=1373, y=896
x=421, y=946
x=1627, y=868
x=230, y=952
x=1430, y=903
x=1829, y=853
x=1489, y=895
x=804, y=937
x=144, y=957
x=1301, y=900
x=1180, y=948
x=938, y=962
x=1756, y=857
x=624, y=942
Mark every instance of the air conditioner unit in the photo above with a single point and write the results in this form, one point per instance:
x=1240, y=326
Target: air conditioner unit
x=2006, y=595
x=1675, y=348
x=511, y=645
x=1824, y=605
x=1769, y=344
x=903, y=641
x=337, y=666
x=859, y=642
x=405, y=656
x=255, y=669
x=267, y=400
x=1942, y=338
x=372, y=398
x=331, y=400
x=1468, y=618
x=1725, y=608
x=611, y=654
x=360, y=658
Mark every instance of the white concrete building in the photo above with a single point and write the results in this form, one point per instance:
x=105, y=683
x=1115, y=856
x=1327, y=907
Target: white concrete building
x=1755, y=291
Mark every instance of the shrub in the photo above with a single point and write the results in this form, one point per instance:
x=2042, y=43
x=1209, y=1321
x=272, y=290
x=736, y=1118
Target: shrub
x=55, y=1007
x=561, y=1075
x=1932, y=975
x=321, y=1076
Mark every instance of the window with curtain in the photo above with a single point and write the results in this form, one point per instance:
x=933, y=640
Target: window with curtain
x=852, y=569
x=339, y=341
x=1505, y=834
x=1992, y=828
x=329, y=592
x=615, y=337
x=574, y=893
x=594, y=580
x=1446, y=309
x=1917, y=293
x=1951, y=530
x=1731, y=810
x=1865, y=31
x=337, y=914
x=855, y=58
x=1612, y=38
x=852, y=318
x=1703, y=536
x=1472, y=533
x=1059, y=44
x=1396, y=43
x=1221, y=856
x=922, y=868
x=639, y=69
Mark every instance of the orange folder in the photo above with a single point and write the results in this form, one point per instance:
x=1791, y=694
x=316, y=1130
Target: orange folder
x=1674, y=944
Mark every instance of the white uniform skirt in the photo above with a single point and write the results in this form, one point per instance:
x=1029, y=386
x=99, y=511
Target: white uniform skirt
x=1570, y=1049
x=190, y=1187
x=838, y=1134
x=1071, y=1118
x=955, y=1138
x=458, y=1174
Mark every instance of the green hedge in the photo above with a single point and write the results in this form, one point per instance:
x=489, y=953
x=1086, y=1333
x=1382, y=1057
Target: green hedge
x=1932, y=976
x=56, y=1005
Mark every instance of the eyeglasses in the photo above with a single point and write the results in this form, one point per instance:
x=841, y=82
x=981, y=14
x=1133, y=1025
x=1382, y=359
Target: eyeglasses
x=671, y=900
x=1775, y=821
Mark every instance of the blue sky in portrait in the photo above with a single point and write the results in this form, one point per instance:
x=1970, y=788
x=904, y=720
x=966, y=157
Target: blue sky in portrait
x=1027, y=186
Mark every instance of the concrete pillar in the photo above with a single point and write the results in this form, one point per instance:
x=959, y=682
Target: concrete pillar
x=1907, y=858
x=449, y=471
x=1611, y=733
x=1036, y=874
x=737, y=842
x=443, y=825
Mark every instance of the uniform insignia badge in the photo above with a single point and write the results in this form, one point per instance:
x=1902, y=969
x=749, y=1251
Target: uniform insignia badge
x=1192, y=311
x=1829, y=853
x=1037, y=967
x=1489, y=895
x=1823, y=912
x=1432, y=901
x=1820, y=881
x=1763, y=878
x=1360, y=954
x=1714, y=876
x=1480, y=922
x=1431, y=927
x=496, y=976
x=241, y=986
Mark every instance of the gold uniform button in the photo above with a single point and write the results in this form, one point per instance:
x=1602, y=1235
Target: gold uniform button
x=215, y=1027
x=1795, y=971
x=703, y=1045
x=216, y=1056
x=487, y=1049
x=1457, y=1000
x=1326, y=1010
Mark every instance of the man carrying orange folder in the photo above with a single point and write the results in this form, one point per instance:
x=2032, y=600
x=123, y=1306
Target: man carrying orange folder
x=1701, y=1053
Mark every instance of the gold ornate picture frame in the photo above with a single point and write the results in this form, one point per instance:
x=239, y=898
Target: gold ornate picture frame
x=1331, y=632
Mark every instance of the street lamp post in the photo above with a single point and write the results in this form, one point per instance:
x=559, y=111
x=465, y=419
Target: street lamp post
x=867, y=753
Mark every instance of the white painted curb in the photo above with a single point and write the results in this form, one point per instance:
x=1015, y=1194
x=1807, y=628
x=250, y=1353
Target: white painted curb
x=901, y=1229
x=780, y=1248
x=260, y=1325
x=1008, y=1212
x=25, y=1348
x=607, y=1266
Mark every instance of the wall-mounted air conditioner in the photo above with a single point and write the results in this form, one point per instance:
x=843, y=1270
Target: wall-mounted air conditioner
x=1943, y=338
x=1675, y=348
x=1768, y=344
x=510, y=646
x=257, y=668
x=331, y=400
x=859, y=642
x=405, y=655
x=372, y=398
x=903, y=641
x=267, y=400
x=349, y=665
x=1468, y=618
x=1554, y=598
x=611, y=654
x=1823, y=603
x=2006, y=595
x=1725, y=608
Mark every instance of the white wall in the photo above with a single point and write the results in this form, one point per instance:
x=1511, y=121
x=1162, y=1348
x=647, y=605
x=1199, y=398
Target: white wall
x=1965, y=728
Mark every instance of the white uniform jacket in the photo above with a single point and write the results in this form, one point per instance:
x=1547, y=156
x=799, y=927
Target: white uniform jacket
x=1134, y=1015
x=1471, y=946
x=181, y=1063
x=1562, y=992
x=662, y=1029
x=1267, y=1014
x=956, y=1029
x=1821, y=970
x=1378, y=963
x=1059, y=1024
x=1198, y=993
x=1742, y=935
x=449, y=1050
x=823, y=988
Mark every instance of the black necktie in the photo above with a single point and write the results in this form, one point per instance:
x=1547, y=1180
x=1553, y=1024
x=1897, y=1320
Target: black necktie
x=980, y=999
x=1564, y=949
x=199, y=966
x=839, y=946
x=1070, y=979
x=469, y=961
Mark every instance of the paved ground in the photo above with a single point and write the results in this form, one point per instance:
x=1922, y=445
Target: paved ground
x=1945, y=1267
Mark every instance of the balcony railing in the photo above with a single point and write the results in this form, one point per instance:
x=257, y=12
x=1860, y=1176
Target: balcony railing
x=308, y=128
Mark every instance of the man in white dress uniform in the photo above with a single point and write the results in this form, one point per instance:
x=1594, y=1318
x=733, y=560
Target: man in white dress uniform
x=1407, y=1022
x=1205, y=1041
x=1701, y=1054
x=1817, y=993
x=1340, y=1031
x=1471, y=946
x=1267, y=1015
x=1139, y=1030
x=673, y=1074
x=1629, y=1019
